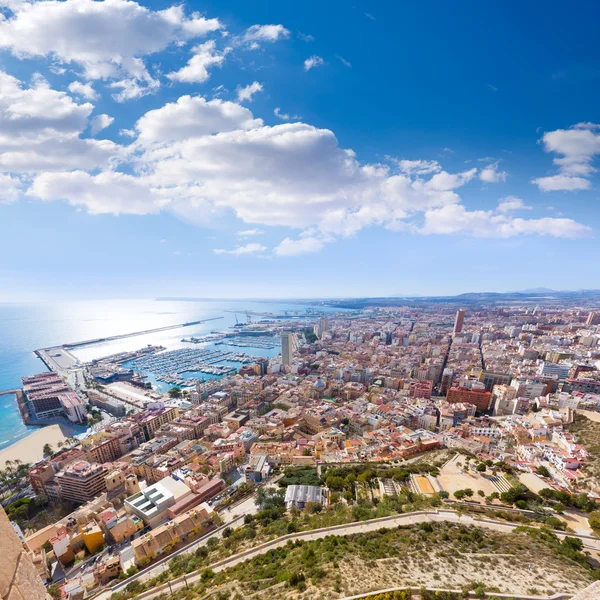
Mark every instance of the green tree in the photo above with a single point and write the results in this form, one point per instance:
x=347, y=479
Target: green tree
x=47, y=450
x=482, y=467
x=543, y=471
x=175, y=392
x=594, y=521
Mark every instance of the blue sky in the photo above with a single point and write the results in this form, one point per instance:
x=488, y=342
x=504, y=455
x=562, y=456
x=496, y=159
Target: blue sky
x=307, y=149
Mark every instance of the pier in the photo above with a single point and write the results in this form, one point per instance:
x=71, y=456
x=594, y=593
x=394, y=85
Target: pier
x=112, y=338
x=10, y=392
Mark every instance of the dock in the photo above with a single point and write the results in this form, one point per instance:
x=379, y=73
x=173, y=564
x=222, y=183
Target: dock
x=10, y=392
x=112, y=338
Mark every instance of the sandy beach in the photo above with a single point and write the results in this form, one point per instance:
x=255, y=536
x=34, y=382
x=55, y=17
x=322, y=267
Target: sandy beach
x=30, y=449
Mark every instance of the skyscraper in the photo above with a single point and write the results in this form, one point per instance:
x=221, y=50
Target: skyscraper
x=460, y=319
x=287, y=347
x=323, y=326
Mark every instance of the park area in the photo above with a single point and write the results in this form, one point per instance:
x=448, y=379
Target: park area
x=454, y=477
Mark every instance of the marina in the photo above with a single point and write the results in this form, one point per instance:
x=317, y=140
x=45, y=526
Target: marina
x=267, y=342
x=170, y=366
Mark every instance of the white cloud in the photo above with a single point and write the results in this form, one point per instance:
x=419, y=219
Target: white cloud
x=204, y=159
x=305, y=37
x=577, y=147
x=312, y=62
x=193, y=117
x=100, y=122
x=345, y=62
x=266, y=33
x=108, y=38
x=444, y=181
x=40, y=128
x=251, y=248
x=246, y=93
x=132, y=88
x=10, y=188
x=561, y=183
x=84, y=90
x=491, y=174
x=510, y=203
x=285, y=116
x=196, y=70
x=419, y=167
x=456, y=219
x=106, y=193
x=250, y=232
x=306, y=245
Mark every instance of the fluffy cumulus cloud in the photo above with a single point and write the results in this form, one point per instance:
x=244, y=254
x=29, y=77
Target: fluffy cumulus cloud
x=40, y=129
x=246, y=93
x=10, y=188
x=193, y=117
x=105, y=193
x=561, y=183
x=492, y=174
x=251, y=248
x=576, y=148
x=85, y=90
x=100, y=122
x=196, y=71
x=456, y=219
x=201, y=159
x=510, y=203
x=108, y=38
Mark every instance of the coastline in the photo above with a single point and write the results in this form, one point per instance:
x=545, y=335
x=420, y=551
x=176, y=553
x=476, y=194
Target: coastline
x=30, y=448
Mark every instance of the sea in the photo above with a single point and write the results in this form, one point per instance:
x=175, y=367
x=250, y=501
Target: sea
x=29, y=326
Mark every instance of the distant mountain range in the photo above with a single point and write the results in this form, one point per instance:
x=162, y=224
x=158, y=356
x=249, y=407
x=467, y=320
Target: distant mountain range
x=531, y=296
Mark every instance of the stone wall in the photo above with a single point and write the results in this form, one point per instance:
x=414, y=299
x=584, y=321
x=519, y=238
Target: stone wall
x=19, y=579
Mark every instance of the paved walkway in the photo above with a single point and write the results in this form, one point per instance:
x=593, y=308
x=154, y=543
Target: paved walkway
x=349, y=529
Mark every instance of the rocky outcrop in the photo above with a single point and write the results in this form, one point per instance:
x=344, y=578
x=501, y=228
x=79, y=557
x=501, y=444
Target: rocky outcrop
x=19, y=579
x=590, y=593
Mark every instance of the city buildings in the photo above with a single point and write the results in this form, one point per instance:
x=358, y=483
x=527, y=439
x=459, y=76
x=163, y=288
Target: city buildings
x=49, y=397
x=81, y=481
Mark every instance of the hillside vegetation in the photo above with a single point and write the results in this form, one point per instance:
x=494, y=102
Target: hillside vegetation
x=434, y=555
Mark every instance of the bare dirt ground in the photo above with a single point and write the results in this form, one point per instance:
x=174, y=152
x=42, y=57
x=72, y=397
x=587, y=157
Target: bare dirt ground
x=453, y=477
x=533, y=482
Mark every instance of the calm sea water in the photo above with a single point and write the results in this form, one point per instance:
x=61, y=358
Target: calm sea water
x=26, y=327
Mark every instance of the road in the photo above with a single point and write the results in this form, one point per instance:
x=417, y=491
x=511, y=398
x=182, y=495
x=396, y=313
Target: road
x=349, y=529
x=232, y=517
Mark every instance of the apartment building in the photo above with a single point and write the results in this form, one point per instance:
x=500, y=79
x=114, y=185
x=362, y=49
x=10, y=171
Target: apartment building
x=81, y=481
x=481, y=399
x=153, y=419
x=102, y=447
